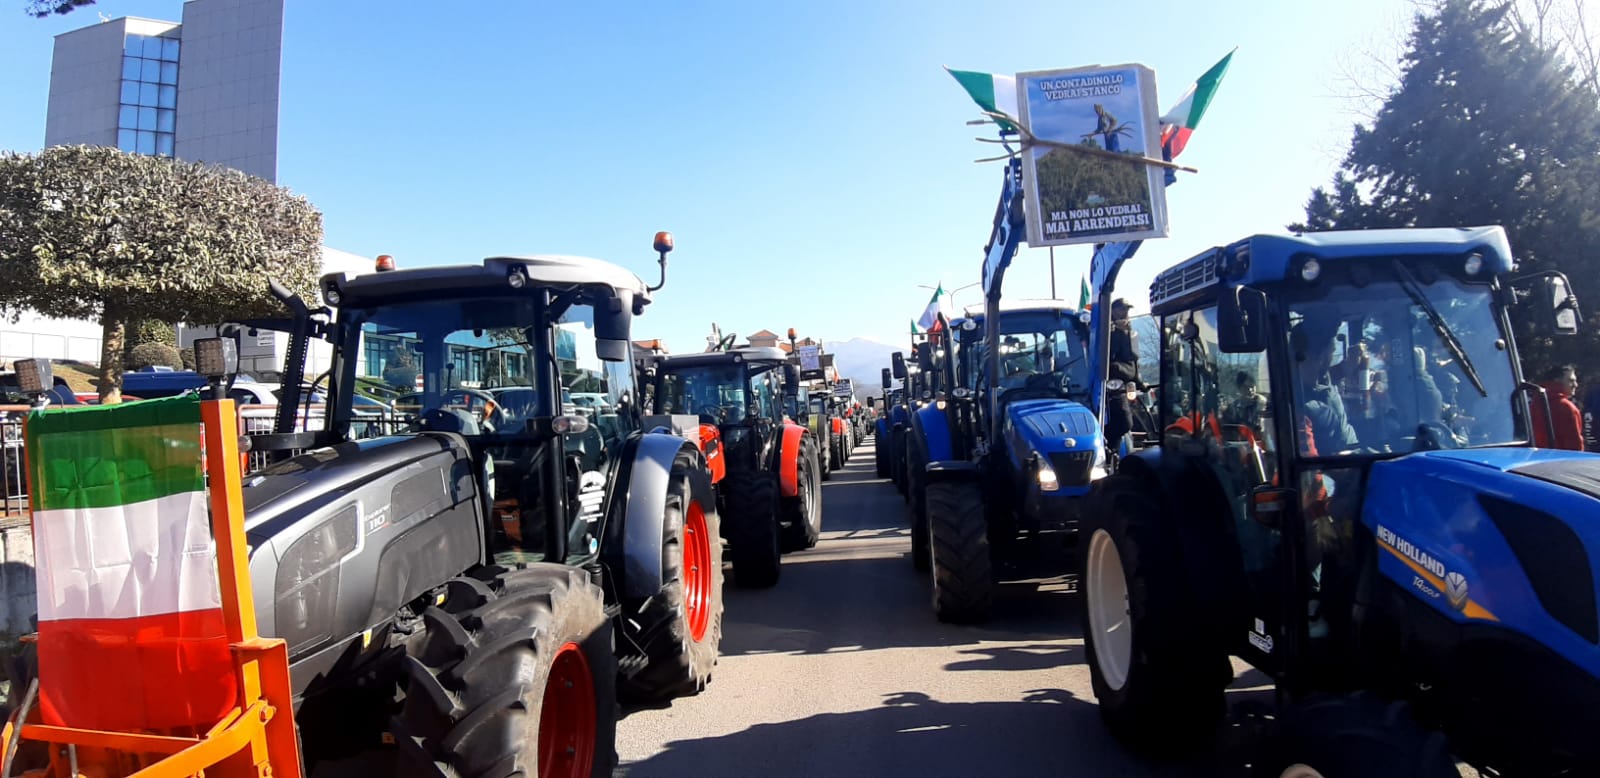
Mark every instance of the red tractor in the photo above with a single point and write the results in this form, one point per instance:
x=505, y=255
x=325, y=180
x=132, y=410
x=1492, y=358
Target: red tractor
x=766, y=466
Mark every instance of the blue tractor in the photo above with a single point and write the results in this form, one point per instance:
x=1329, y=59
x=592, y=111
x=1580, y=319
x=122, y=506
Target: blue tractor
x=1010, y=449
x=1344, y=496
x=890, y=414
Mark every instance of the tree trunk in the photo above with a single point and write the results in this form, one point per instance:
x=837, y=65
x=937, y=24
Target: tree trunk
x=112, y=331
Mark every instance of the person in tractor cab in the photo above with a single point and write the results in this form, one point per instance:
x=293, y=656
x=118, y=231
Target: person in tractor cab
x=1323, y=426
x=1249, y=407
x=1561, y=385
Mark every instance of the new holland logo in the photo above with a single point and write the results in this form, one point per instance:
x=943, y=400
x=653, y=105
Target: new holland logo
x=1456, y=590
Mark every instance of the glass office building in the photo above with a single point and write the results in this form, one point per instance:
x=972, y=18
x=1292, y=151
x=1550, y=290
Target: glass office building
x=203, y=90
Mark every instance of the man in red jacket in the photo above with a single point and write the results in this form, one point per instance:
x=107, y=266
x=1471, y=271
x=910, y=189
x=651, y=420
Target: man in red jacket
x=1560, y=384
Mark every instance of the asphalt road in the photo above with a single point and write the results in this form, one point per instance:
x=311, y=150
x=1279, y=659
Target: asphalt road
x=841, y=670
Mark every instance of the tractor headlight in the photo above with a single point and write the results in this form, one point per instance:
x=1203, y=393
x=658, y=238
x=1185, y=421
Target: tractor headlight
x=1047, y=477
x=1310, y=270
x=961, y=393
x=1114, y=384
x=1097, y=471
x=1473, y=264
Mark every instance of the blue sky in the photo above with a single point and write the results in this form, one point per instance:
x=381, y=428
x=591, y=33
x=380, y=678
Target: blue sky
x=811, y=158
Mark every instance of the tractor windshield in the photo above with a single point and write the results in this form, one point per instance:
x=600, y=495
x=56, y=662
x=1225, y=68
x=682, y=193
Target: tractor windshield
x=1035, y=349
x=1400, y=364
x=462, y=366
x=718, y=394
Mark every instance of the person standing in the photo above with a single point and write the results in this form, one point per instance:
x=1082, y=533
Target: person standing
x=1125, y=368
x=1560, y=384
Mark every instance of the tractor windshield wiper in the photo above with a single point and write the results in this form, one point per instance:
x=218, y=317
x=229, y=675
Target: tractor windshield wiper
x=1441, y=328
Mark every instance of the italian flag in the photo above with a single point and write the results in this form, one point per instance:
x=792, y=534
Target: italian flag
x=1179, y=123
x=1083, y=293
x=131, y=633
x=930, y=315
x=991, y=92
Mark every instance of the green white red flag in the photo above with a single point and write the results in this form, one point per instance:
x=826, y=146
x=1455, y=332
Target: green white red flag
x=992, y=92
x=131, y=634
x=1179, y=123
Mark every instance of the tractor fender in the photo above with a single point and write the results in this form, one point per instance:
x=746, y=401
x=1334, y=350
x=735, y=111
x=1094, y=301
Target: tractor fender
x=931, y=427
x=954, y=470
x=882, y=430
x=711, y=448
x=789, y=460
x=645, y=480
x=838, y=426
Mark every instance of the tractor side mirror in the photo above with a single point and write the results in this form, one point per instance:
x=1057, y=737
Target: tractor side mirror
x=925, y=357
x=791, y=378
x=1269, y=504
x=613, y=319
x=1554, y=306
x=897, y=362
x=888, y=380
x=1242, y=321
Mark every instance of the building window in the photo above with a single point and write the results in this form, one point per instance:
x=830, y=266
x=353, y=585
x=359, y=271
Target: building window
x=147, y=119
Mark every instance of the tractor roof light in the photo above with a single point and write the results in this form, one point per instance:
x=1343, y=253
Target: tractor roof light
x=516, y=277
x=34, y=376
x=332, y=296
x=969, y=325
x=1310, y=270
x=384, y=263
x=215, y=357
x=1473, y=264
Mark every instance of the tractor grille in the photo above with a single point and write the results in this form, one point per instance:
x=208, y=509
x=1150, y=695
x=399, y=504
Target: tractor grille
x=1072, y=467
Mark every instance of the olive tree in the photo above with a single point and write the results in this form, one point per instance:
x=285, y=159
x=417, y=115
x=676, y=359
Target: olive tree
x=93, y=232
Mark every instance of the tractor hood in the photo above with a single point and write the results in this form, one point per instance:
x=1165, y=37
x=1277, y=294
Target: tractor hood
x=1506, y=537
x=289, y=490
x=1051, y=426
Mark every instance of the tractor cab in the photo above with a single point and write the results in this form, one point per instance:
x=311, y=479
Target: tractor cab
x=739, y=392
x=1345, y=496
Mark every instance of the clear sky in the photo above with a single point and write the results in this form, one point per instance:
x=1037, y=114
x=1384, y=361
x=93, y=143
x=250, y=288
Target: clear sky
x=811, y=158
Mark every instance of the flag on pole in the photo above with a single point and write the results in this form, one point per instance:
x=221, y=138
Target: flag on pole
x=990, y=91
x=1179, y=123
x=1083, y=293
x=130, y=611
x=930, y=315
x=914, y=327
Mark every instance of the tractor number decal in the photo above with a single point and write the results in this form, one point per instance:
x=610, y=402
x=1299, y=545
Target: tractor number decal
x=1431, y=576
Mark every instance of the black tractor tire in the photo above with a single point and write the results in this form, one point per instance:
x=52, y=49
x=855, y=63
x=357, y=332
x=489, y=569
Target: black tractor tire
x=897, y=459
x=511, y=675
x=880, y=457
x=1162, y=694
x=802, y=513
x=751, y=527
x=1357, y=736
x=963, y=573
x=670, y=641
x=917, y=510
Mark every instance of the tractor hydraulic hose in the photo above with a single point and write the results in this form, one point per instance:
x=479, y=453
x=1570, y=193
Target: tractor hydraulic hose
x=16, y=732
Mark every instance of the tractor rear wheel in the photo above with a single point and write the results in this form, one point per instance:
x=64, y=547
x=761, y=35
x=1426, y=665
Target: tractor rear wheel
x=512, y=674
x=802, y=513
x=672, y=638
x=1359, y=736
x=751, y=526
x=963, y=575
x=1157, y=686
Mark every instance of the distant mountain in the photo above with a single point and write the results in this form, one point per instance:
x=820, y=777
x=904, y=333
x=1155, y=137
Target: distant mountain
x=863, y=360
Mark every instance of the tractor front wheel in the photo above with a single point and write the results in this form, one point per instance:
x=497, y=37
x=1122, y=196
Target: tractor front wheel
x=963, y=574
x=673, y=637
x=1157, y=686
x=802, y=513
x=511, y=675
x=751, y=525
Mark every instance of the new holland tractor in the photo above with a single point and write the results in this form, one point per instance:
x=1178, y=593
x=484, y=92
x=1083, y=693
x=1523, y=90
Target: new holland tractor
x=771, y=496
x=1010, y=449
x=478, y=579
x=1344, y=496
x=891, y=415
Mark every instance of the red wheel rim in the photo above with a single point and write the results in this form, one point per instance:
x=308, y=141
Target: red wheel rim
x=567, y=717
x=697, y=571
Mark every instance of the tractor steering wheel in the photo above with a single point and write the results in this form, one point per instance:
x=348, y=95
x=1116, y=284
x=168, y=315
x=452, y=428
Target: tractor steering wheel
x=487, y=410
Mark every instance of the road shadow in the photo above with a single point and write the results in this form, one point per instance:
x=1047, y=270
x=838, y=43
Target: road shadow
x=1048, y=732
